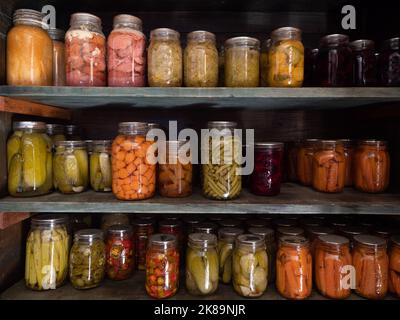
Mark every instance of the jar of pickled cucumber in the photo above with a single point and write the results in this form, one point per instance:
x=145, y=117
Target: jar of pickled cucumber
x=250, y=266
x=57, y=36
x=242, y=62
x=200, y=60
x=47, y=249
x=56, y=132
x=30, y=160
x=221, y=173
x=100, y=166
x=265, y=47
x=226, y=241
x=87, y=259
x=202, y=264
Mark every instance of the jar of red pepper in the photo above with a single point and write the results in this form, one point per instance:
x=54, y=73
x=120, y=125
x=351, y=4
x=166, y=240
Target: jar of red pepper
x=143, y=229
x=162, y=266
x=266, y=177
x=119, y=252
x=173, y=227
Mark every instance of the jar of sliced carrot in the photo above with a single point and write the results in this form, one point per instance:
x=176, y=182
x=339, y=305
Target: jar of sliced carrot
x=348, y=148
x=134, y=174
x=332, y=254
x=371, y=264
x=371, y=166
x=394, y=266
x=294, y=268
x=304, y=161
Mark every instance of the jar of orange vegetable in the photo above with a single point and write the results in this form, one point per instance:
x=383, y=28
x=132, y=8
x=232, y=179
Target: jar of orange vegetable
x=394, y=266
x=143, y=229
x=134, y=172
x=313, y=233
x=348, y=148
x=57, y=36
x=162, y=266
x=305, y=160
x=294, y=267
x=371, y=264
x=332, y=254
x=371, y=166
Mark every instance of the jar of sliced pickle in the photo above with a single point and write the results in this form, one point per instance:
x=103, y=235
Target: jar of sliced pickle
x=142, y=231
x=87, y=259
x=100, y=166
x=57, y=36
x=242, y=62
x=286, y=58
x=313, y=234
x=264, y=66
x=73, y=132
x=394, y=266
x=206, y=227
x=200, y=60
x=47, y=249
x=71, y=167
x=371, y=166
x=56, y=132
x=29, y=160
x=348, y=148
x=221, y=173
x=305, y=161
x=202, y=264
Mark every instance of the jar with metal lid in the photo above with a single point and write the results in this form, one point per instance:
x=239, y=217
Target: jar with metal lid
x=264, y=66
x=305, y=161
x=334, y=61
x=328, y=169
x=216, y=218
x=164, y=57
x=226, y=241
x=126, y=47
x=85, y=51
x=162, y=266
x=256, y=223
x=202, y=264
x=56, y=132
x=191, y=222
x=173, y=227
x=29, y=50
x=100, y=166
x=384, y=231
x=242, y=62
x=314, y=232
x=292, y=150
x=120, y=260
x=390, y=62
x=142, y=230
x=394, y=266
x=47, y=249
x=57, y=36
x=73, y=132
x=351, y=231
x=284, y=222
x=340, y=222
x=349, y=149
x=286, y=58
x=87, y=260
x=371, y=265
x=200, y=60
x=371, y=166
x=222, y=152
x=332, y=257
x=134, y=171
x=289, y=231
x=29, y=160
x=206, y=227
x=267, y=219
x=71, y=167
x=364, y=63
x=266, y=177
x=311, y=222
x=230, y=223
x=112, y=219
x=294, y=268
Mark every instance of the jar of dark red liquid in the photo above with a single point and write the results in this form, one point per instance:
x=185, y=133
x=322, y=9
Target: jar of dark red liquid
x=143, y=229
x=364, y=62
x=266, y=177
x=334, y=61
x=390, y=62
x=173, y=227
x=310, y=65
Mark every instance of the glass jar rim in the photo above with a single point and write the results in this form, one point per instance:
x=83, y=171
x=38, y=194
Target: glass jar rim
x=290, y=231
x=202, y=239
x=201, y=35
x=229, y=232
x=89, y=234
x=221, y=124
x=353, y=230
x=100, y=143
x=71, y=144
x=392, y=43
x=266, y=233
x=164, y=32
x=54, y=127
x=84, y=18
x=242, y=41
x=372, y=142
x=193, y=220
x=127, y=19
x=143, y=222
x=119, y=229
x=133, y=127
x=369, y=240
x=56, y=34
x=49, y=219
x=268, y=145
x=294, y=241
x=162, y=240
x=284, y=222
x=206, y=227
x=169, y=223
x=36, y=125
x=362, y=44
x=286, y=33
x=333, y=40
x=333, y=239
x=230, y=223
x=153, y=125
x=250, y=240
x=29, y=15
x=256, y=223
x=320, y=230
x=311, y=222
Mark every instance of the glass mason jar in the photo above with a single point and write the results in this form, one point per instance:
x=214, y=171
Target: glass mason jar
x=310, y=66
x=126, y=47
x=73, y=133
x=100, y=166
x=173, y=227
x=206, y=227
x=80, y=221
x=226, y=241
x=394, y=266
x=87, y=260
x=311, y=222
x=384, y=231
x=291, y=160
x=143, y=229
x=332, y=255
x=120, y=260
x=133, y=177
x=348, y=148
x=29, y=50
x=266, y=177
x=256, y=223
x=164, y=57
x=30, y=160
x=56, y=132
x=250, y=266
x=294, y=268
x=71, y=167
x=112, y=219
x=264, y=65
x=313, y=234
x=221, y=180
x=200, y=60
x=242, y=62
x=57, y=36
x=364, y=63
x=351, y=231
x=340, y=222
x=85, y=51
x=284, y=222
x=162, y=266
x=174, y=174
x=289, y=231
x=328, y=172
x=371, y=166
x=202, y=264
x=305, y=161
x=286, y=58
x=230, y=223
x=390, y=62
x=371, y=265
x=190, y=223
x=47, y=249
x=89, y=147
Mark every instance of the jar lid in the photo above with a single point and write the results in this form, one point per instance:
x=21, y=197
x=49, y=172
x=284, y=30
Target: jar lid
x=230, y=223
x=84, y=18
x=146, y=216
x=162, y=240
x=334, y=239
x=50, y=219
x=250, y=240
x=373, y=142
x=143, y=222
x=193, y=219
x=99, y=143
x=206, y=227
x=267, y=233
x=201, y=35
x=268, y=145
x=51, y=128
x=311, y=222
x=133, y=127
x=294, y=240
x=311, y=142
x=340, y=222
x=71, y=129
x=127, y=19
x=169, y=223
x=120, y=229
x=216, y=217
x=164, y=32
x=89, y=234
x=347, y=142
x=19, y=125
x=383, y=231
x=284, y=223
x=256, y=223
x=71, y=144
x=286, y=33
x=33, y=16
x=334, y=40
x=352, y=231
x=320, y=230
x=203, y=239
x=359, y=45
x=290, y=231
x=221, y=124
x=56, y=34
x=393, y=43
x=395, y=239
x=243, y=41
x=369, y=240
x=229, y=232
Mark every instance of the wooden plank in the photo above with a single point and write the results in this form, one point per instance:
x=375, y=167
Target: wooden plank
x=8, y=219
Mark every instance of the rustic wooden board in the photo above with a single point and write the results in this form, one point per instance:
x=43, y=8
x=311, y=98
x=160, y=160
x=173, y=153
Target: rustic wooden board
x=8, y=219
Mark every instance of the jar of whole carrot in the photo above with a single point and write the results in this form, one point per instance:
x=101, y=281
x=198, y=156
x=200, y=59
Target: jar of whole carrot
x=371, y=166
x=305, y=160
x=394, y=266
x=134, y=175
x=332, y=254
x=348, y=148
x=142, y=230
x=328, y=170
x=294, y=268
x=371, y=264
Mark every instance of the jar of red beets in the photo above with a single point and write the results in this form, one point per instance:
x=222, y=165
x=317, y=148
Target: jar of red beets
x=364, y=62
x=267, y=174
x=390, y=62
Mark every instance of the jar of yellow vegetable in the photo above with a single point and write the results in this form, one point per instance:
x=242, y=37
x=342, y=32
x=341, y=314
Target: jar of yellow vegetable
x=100, y=166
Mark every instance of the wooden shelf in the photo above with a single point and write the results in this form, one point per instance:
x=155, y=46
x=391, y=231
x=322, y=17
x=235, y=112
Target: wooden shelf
x=294, y=199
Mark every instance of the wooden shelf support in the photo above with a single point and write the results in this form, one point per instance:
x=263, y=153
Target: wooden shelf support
x=8, y=219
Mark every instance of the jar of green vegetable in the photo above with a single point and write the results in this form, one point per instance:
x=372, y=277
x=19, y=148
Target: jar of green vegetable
x=100, y=166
